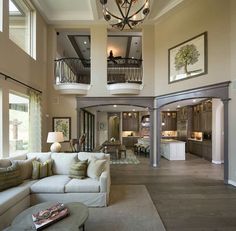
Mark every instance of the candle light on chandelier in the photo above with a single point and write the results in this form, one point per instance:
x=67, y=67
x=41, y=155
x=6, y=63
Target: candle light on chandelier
x=123, y=14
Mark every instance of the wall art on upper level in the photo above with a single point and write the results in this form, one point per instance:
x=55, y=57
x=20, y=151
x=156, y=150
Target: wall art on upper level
x=188, y=59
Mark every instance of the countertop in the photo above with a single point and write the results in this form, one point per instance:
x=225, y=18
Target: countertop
x=194, y=139
x=171, y=141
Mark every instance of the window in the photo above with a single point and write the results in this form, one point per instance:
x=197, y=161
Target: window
x=18, y=124
x=21, y=25
x=1, y=14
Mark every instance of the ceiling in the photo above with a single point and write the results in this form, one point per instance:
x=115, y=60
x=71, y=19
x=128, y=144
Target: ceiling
x=90, y=11
x=76, y=43
x=119, y=108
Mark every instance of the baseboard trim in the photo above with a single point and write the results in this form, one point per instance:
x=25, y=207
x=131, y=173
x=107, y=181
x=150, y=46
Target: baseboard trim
x=232, y=182
x=217, y=161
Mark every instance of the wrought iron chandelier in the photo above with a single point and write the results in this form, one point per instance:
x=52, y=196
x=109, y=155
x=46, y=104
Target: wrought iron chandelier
x=128, y=13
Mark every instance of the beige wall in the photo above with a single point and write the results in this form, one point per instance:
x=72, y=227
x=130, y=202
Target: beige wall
x=193, y=18
x=218, y=18
x=19, y=65
x=232, y=108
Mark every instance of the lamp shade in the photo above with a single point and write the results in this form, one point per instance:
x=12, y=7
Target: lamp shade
x=55, y=137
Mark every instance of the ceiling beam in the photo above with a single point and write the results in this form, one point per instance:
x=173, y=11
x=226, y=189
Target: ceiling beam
x=96, y=9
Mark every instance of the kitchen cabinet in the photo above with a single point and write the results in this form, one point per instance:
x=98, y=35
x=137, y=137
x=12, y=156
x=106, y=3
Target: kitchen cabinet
x=182, y=113
x=197, y=114
x=206, y=117
x=207, y=150
x=130, y=121
x=169, y=121
x=173, y=149
x=195, y=147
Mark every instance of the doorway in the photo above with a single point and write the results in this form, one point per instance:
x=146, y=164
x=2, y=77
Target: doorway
x=218, y=91
x=114, y=126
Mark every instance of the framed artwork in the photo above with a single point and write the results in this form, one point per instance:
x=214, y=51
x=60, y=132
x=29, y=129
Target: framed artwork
x=62, y=124
x=188, y=59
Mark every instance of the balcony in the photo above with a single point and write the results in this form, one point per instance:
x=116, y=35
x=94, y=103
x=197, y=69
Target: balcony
x=124, y=76
x=72, y=76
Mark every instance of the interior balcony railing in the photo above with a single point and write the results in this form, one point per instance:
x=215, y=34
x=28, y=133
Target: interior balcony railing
x=72, y=75
x=124, y=76
x=124, y=70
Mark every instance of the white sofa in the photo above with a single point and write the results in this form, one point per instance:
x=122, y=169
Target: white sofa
x=58, y=187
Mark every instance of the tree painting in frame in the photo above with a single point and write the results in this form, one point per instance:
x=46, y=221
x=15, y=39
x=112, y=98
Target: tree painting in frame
x=188, y=59
x=62, y=124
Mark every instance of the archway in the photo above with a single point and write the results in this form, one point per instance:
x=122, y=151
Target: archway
x=145, y=102
x=219, y=91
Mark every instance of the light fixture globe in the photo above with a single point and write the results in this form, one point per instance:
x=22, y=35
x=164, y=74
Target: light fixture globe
x=125, y=14
x=55, y=147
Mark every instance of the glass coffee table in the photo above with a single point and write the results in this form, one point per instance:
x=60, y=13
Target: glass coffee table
x=74, y=221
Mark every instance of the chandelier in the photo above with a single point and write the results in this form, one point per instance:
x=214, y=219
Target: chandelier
x=125, y=14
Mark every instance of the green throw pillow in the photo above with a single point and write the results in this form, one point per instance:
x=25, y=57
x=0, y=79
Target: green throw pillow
x=41, y=170
x=78, y=170
x=10, y=176
x=95, y=168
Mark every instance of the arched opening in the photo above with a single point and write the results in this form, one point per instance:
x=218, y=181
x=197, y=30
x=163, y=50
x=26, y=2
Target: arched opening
x=216, y=91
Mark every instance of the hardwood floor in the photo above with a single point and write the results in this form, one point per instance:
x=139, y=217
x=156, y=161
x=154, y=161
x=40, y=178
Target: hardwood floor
x=189, y=195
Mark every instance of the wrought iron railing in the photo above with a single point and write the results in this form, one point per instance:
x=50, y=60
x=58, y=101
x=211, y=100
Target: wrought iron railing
x=124, y=70
x=119, y=70
x=72, y=70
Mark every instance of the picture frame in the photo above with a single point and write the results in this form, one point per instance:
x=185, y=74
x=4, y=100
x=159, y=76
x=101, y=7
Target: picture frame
x=62, y=124
x=188, y=59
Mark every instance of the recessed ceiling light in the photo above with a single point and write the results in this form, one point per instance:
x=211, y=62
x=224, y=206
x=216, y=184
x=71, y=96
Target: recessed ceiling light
x=85, y=42
x=133, y=110
x=168, y=109
x=194, y=100
x=132, y=57
x=178, y=105
x=114, y=105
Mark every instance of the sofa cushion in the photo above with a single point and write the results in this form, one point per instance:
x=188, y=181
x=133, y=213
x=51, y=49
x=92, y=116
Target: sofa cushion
x=10, y=176
x=41, y=170
x=89, y=155
x=25, y=168
x=11, y=196
x=78, y=170
x=95, y=168
x=51, y=184
x=62, y=162
x=86, y=185
x=40, y=156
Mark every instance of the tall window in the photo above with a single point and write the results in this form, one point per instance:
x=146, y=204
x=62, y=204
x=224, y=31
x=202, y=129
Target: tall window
x=21, y=25
x=1, y=14
x=18, y=124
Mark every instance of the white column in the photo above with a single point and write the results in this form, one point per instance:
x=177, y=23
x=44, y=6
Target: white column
x=217, y=131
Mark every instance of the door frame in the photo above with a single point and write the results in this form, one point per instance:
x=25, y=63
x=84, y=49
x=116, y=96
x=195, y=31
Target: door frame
x=219, y=90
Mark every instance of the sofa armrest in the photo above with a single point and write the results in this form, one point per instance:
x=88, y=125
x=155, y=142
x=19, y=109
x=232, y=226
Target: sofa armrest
x=104, y=181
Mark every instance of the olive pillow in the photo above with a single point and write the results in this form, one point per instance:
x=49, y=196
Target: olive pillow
x=95, y=168
x=78, y=170
x=41, y=170
x=10, y=176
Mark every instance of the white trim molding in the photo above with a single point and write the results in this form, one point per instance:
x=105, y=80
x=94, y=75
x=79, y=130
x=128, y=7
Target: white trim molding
x=72, y=88
x=217, y=161
x=232, y=182
x=124, y=88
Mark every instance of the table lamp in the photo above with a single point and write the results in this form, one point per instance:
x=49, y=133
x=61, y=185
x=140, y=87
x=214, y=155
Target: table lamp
x=55, y=138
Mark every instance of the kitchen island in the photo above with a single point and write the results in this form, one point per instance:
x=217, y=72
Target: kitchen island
x=173, y=149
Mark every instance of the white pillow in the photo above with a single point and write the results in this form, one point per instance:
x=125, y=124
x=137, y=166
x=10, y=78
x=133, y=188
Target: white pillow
x=88, y=155
x=41, y=156
x=95, y=168
x=62, y=162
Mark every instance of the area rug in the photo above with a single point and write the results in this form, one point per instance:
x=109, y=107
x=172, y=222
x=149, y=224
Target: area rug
x=130, y=208
x=130, y=159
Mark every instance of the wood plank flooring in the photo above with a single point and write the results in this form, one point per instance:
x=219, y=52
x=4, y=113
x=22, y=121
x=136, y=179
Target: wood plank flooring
x=189, y=195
